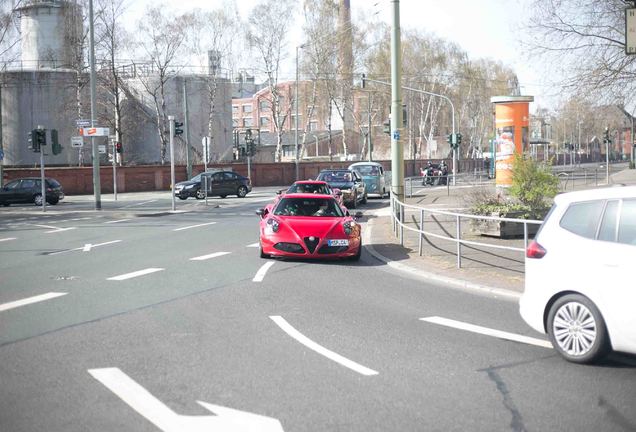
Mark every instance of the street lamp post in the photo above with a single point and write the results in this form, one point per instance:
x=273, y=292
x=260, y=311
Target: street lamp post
x=296, y=118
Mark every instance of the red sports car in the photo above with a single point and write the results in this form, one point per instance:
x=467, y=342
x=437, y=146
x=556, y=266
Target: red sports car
x=309, y=226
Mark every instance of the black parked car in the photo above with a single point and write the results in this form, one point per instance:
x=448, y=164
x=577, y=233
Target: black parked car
x=221, y=183
x=350, y=183
x=29, y=190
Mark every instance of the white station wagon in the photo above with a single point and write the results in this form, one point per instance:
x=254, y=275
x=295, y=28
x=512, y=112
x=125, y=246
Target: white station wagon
x=580, y=284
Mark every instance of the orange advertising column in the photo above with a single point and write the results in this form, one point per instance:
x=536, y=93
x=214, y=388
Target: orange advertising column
x=511, y=133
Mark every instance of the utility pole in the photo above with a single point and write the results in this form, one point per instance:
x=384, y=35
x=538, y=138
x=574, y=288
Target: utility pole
x=369, y=142
x=96, y=181
x=186, y=131
x=397, y=151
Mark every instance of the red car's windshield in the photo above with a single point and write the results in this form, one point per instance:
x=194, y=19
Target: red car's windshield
x=318, y=207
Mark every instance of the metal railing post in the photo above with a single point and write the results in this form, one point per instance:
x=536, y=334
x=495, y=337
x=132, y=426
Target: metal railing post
x=458, y=237
x=402, y=225
x=525, y=235
x=421, y=243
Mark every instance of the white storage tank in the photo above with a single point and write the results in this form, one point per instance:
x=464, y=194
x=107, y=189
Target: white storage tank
x=50, y=34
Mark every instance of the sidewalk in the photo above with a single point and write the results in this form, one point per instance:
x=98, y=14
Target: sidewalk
x=500, y=272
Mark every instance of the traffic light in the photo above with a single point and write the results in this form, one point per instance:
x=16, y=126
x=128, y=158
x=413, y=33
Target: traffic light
x=56, y=147
x=449, y=139
x=40, y=137
x=32, y=140
x=459, y=139
x=606, y=140
x=177, y=128
x=364, y=81
x=119, y=148
x=387, y=127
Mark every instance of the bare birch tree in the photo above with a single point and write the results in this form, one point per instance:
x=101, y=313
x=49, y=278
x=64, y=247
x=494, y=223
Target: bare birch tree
x=267, y=28
x=584, y=43
x=162, y=35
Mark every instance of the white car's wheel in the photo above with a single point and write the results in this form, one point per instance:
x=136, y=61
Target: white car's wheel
x=577, y=330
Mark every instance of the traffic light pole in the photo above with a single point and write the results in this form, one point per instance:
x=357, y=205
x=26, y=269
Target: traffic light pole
x=397, y=148
x=172, y=177
x=430, y=94
x=114, y=142
x=96, y=180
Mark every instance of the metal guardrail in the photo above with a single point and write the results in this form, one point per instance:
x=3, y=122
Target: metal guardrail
x=398, y=212
x=414, y=184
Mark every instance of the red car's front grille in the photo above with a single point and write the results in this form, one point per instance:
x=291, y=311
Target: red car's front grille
x=289, y=247
x=311, y=243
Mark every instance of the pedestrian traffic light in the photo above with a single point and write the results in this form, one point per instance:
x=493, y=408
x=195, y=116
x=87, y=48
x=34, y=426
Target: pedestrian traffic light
x=119, y=148
x=56, y=147
x=177, y=128
x=40, y=137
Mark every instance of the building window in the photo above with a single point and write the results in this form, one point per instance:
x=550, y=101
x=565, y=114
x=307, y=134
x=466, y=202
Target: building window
x=235, y=109
x=263, y=105
x=313, y=125
x=247, y=108
x=248, y=122
x=235, y=122
x=264, y=121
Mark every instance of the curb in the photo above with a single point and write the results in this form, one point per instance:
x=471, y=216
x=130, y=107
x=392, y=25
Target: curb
x=455, y=283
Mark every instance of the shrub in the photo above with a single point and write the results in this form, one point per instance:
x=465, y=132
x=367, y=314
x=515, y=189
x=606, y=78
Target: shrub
x=533, y=183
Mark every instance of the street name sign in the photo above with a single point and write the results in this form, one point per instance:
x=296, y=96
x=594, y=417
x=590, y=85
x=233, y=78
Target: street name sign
x=102, y=148
x=164, y=418
x=82, y=123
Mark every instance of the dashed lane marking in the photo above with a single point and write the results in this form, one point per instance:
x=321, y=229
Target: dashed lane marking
x=135, y=274
x=117, y=221
x=209, y=256
x=487, y=331
x=291, y=331
x=253, y=245
x=260, y=274
x=7, y=239
x=193, y=226
x=30, y=300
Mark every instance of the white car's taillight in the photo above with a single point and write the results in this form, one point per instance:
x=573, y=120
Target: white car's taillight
x=535, y=250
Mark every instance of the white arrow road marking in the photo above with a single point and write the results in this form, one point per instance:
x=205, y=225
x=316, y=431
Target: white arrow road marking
x=142, y=401
x=193, y=226
x=53, y=229
x=7, y=239
x=135, y=274
x=488, y=331
x=117, y=221
x=84, y=248
x=26, y=301
x=291, y=331
x=253, y=245
x=206, y=257
x=260, y=274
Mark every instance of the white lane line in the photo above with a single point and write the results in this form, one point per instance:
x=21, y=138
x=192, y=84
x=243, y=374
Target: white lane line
x=253, y=245
x=26, y=301
x=206, y=257
x=84, y=248
x=193, y=226
x=117, y=221
x=59, y=230
x=7, y=239
x=138, y=204
x=260, y=274
x=135, y=274
x=487, y=331
x=291, y=331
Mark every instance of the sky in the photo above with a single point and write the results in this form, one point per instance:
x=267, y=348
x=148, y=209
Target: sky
x=482, y=28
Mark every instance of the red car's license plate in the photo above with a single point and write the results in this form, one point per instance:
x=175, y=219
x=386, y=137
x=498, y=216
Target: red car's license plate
x=337, y=242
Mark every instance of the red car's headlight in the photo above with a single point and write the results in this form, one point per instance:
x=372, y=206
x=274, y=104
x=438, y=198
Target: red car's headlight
x=348, y=227
x=273, y=225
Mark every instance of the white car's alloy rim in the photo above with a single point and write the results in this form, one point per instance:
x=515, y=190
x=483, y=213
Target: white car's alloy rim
x=574, y=329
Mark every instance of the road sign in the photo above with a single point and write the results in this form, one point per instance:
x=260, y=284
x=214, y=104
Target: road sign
x=102, y=148
x=205, y=142
x=1, y=154
x=630, y=31
x=95, y=131
x=82, y=123
x=163, y=417
x=77, y=141
x=396, y=134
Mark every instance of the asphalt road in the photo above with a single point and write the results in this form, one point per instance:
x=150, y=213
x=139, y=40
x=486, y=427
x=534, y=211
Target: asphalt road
x=171, y=321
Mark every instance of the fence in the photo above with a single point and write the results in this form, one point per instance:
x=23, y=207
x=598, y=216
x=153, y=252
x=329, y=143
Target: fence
x=400, y=216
